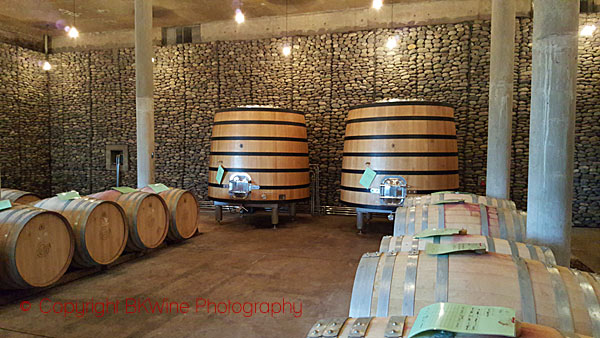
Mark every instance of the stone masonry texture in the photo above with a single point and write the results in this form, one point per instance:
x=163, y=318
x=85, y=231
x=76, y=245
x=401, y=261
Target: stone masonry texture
x=54, y=126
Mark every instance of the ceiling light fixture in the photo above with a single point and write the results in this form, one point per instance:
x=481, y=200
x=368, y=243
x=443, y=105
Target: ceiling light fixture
x=287, y=49
x=588, y=30
x=239, y=16
x=72, y=32
x=377, y=4
x=392, y=42
x=46, y=65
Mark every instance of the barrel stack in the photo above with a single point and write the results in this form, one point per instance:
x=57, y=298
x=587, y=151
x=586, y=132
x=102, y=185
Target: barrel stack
x=100, y=228
x=392, y=148
x=36, y=247
x=18, y=196
x=147, y=217
x=258, y=159
x=183, y=213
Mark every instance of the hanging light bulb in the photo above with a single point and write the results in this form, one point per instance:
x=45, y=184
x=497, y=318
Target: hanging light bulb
x=47, y=66
x=377, y=4
x=286, y=50
x=392, y=42
x=73, y=33
x=588, y=30
x=239, y=16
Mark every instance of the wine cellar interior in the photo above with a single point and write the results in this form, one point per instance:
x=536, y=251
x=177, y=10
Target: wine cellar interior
x=300, y=168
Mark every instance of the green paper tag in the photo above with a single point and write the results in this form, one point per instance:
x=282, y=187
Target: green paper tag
x=124, y=190
x=440, y=249
x=220, y=174
x=465, y=319
x=69, y=195
x=5, y=204
x=440, y=232
x=367, y=178
x=449, y=202
x=158, y=187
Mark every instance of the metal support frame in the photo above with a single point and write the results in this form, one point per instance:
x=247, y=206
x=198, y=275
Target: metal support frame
x=366, y=213
x=273, y=206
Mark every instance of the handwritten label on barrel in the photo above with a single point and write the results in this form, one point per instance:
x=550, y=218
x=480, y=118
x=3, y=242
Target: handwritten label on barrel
x=124, y=190
x=5, y=204
x=220, y=174
x=440, y=249
x=440, y=232
x=465, y=319
x=455, y=201
x=158, y=187
x=69, y=195
x=367, y=178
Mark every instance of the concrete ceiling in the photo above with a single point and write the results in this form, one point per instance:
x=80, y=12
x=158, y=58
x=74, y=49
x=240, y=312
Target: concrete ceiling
x=36, y=16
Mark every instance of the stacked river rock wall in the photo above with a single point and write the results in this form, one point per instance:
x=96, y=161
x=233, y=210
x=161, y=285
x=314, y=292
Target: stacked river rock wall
x=92, y=103
x=24, y=120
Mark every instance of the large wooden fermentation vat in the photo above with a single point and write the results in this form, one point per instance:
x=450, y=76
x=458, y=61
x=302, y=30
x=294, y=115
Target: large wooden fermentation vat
x=501, y=246
x=147, y=217
x=36, y=247
x=402, y=283
x=477, y=219
x=18, y=196
x=398, y=327
x=412, y=140
x=100, y=228
x=264, y=153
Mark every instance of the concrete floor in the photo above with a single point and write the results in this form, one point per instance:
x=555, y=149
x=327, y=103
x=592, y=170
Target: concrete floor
x=312, y=261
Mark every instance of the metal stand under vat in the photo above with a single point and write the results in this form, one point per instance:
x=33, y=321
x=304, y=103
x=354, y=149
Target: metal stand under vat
x=240, y=187
x=275, y=208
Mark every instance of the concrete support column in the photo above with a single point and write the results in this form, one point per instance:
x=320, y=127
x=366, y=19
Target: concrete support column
x=501, y=98
x=144, y=92
x=551, y=136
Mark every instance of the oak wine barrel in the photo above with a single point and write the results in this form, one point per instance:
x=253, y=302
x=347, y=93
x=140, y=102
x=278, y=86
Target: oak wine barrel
x=415, y=140
x=36, y=247
x=100, y=228
x=400, y=326
x=501, y=246
x=266, y=146
x=390, y=284
x=477, y=219
x=18, y=196
x=147, y=217
x=183, y=210
x=435, y=197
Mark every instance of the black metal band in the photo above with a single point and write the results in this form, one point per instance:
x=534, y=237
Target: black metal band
x=258, y=170
x=401, y=118
x=236, y=201
x=367, y=206
x=342, y=187
x=259, y=109
x=280, y=123
x=258, y=138
x=267, y=187
x=401, y=137
x=401, y=154
x=404, y=172
x=403, y=103
x=234, y=153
